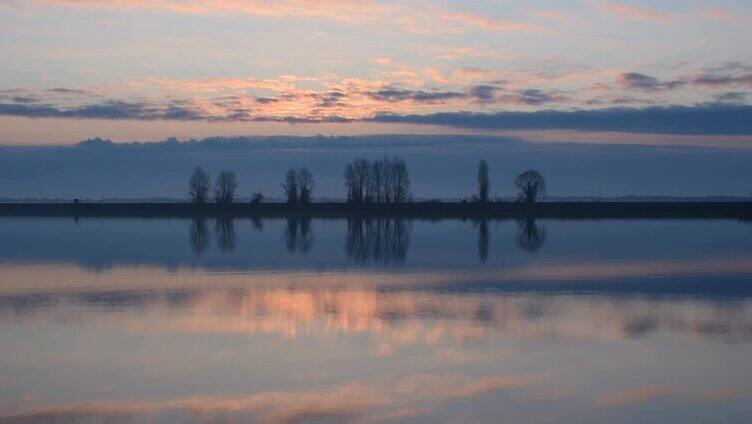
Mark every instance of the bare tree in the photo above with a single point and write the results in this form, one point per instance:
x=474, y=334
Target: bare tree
x=257, y=197
x=484, y=182
x=305, y=185
x=225, y=187
x=384, y=181
x=349, y=176
x=376, y=187
x=531, y=185
x=362, y=179
x=291, y=186
x=357, y=177
x=387, y=177
x=400, y=181
x=199, y=185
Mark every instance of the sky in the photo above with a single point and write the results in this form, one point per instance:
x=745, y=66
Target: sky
x=590, y=71
x=440, y=166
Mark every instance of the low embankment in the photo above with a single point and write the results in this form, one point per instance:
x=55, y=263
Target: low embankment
x=427, y=210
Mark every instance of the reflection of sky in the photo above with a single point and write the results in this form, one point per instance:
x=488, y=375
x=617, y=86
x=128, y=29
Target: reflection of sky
x=319, y=345
x=329, y=244
x=609, y=320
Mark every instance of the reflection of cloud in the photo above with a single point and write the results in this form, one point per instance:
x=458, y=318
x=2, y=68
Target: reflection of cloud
x=631, y=397
x=449, y=386
x=343, y=403
x=415, y=395
x=721, y=394
x=448, y=321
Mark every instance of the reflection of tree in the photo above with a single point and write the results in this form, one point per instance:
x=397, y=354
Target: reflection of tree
x=483, y=239
x=199, y=236
x=383, y=240
x=227, y=238
x=531, y=237
x=258, y=224
x=298, y=236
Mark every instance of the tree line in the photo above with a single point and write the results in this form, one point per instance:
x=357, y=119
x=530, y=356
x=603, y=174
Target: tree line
x=379, y=181
x=384, y=181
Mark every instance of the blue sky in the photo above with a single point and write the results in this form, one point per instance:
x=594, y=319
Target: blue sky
x=127, y=70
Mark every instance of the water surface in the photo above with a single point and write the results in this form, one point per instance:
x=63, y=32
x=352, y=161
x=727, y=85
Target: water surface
x=382, y=320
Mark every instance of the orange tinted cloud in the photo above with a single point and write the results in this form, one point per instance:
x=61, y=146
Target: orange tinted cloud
x=633, y=12
x=412, y=19
x=483, y=22
x=714, y=12
x=351, y=11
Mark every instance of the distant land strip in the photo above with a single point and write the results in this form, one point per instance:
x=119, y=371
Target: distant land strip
x=422, y=210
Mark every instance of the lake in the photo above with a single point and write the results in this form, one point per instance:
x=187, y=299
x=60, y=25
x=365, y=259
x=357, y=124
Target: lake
x=219, y=320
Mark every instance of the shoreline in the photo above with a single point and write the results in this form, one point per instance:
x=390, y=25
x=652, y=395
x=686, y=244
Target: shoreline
x=425, y=210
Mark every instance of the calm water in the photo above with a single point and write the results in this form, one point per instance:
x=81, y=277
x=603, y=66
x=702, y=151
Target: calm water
x=288, y=321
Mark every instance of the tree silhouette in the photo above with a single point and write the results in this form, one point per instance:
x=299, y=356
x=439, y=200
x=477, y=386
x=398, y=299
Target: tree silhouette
x=400, y=181
x=530, y=185
x=290, y=186
x=225, y=187
x=349, y=176
x=357, y=177
x=375, y=191
x=305, y=185
x=484, y=182
x=384, y=181
x=198, y=186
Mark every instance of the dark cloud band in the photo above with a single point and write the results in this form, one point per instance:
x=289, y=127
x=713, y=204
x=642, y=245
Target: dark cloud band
x=706, y=119
x=713, y=119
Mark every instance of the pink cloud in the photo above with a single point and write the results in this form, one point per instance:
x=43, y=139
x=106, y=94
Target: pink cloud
x=551, y=15
x=490, y=24
x=411, y=19
x=348, y=11
x=633, y=12
x=715, y=12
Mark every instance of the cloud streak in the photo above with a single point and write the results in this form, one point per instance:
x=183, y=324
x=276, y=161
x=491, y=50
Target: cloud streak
x=711, y=119
x=644, y=82
x=351, y=12
x=628, y=11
